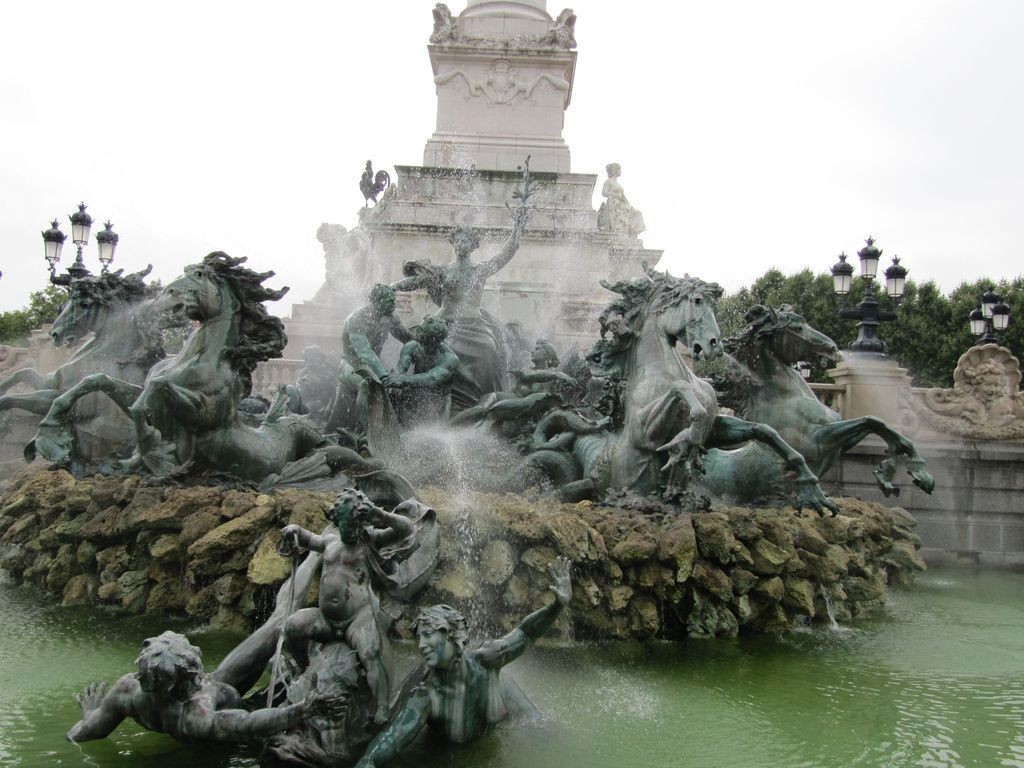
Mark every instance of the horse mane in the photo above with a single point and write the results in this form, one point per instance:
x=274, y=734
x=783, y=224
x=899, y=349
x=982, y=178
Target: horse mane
x=761, y=322
x=261, y=335
x=108, y=288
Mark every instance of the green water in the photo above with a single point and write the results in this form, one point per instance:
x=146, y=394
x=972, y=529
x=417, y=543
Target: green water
x=937, y=681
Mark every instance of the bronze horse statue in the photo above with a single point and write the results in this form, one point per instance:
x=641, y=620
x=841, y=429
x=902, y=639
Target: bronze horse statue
x=770, y=390
x=670, y=415
x=111, y=318
x=185, y=414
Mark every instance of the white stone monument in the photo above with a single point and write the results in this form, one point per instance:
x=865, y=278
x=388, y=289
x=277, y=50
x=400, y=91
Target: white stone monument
x=503, y=72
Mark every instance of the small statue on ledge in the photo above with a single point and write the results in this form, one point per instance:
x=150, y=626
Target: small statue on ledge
x=616, y=214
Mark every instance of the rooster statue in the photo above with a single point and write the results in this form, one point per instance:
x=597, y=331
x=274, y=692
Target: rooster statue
x=371, y=186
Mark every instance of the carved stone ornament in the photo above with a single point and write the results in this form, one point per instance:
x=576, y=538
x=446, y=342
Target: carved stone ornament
x=347, y=256
x=985, y=403
x=561, y=34
x=501, y=84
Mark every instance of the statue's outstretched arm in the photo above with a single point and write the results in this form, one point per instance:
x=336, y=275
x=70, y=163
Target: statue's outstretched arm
x=307, y=539
x=399, y=331
x=405, y=358
x=365, y=354
x=498, y=653
x=387, y=526
x=496, y=263
x=239, y=725
x=439, y=374
x=400, y=733
x=102, y=710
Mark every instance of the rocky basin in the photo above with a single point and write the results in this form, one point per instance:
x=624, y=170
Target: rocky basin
x=210, y=553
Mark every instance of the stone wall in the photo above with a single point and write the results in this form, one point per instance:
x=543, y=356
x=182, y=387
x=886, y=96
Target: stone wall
x=975, y=514
x=209, y=553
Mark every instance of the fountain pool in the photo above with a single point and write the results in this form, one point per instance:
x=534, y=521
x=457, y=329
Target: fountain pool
x=937, y=681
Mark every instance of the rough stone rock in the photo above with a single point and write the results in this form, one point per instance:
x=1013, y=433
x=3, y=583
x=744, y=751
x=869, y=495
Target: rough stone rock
x=266, y=566
x=62, y=568
x=903, y=558
x=229, y=546
x=619, y=597
x=112, y=562
x=714, y=537
x=744, y=526
x=80, y=590
x=236, y=503
x=645, y=618
x=807, y=537
x=677, y=545
x=586, y=593
x=134, y=590
x=769, y=558
x=743, y=581
x=575, y=539
x=538, y=558
x=22, y=530
x=228, y=588
x=771, y=588
x=457, y=585
x=86, y=554
x=100, y=526
x=636, y=547
x=498, y=562
x=109, y=592
x=773, y=619
x=827, y=568
x=710, y=618
x=517, y=592
x=167, y=547
x=713, y=580
x=197, y=525
x=839, y=529
x=652, y=575
x=799, y=594
x=167, y=597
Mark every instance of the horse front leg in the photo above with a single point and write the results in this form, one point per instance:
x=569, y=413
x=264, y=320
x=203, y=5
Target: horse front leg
x=840, y=436
x=728, y=431
x=37, y=402
x=679, y=406
x=53, y=438
x=29, y=376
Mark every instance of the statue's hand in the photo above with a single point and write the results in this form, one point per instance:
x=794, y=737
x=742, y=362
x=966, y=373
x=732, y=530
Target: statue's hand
x=290, y=531
x=318, y=705
x=561, y=583
x=91, y=698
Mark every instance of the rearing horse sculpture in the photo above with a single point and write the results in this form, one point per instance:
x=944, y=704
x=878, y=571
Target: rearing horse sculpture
x=770, y=390
x=186, y=409
x=670, y=415
x=126, y=341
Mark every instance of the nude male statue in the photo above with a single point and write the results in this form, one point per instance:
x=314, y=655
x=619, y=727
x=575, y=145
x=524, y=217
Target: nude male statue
x=170, y=694
x=464, y=692
x=347, y=604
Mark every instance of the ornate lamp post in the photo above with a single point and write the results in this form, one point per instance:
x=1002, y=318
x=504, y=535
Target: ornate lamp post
x=868, y=312
x=81, y=223
x=993, y=315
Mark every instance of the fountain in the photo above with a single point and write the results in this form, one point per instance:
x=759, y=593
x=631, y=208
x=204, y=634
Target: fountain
x=443, y=496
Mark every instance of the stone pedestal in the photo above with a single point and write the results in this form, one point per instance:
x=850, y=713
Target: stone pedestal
x=875, y=386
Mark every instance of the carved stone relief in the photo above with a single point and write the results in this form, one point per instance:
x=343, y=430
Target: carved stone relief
x=985, y=403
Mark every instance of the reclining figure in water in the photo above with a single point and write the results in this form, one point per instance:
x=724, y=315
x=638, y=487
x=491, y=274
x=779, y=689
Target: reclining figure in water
x=463, y=691
x=171, y=694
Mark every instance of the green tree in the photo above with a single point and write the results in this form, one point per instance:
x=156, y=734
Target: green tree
x=43, y=307
x=929, y=336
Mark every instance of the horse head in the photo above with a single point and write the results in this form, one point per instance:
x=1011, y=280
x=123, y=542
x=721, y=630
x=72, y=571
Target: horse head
x=199, y=294
x=785, y=335
x=94, y=300
x=685, y=308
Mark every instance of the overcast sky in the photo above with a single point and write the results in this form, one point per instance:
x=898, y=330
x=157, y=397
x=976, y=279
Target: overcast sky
x=750, y=133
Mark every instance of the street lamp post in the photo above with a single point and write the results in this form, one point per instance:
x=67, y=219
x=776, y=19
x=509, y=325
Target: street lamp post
x=993, y=315
x=868, y=313
x=81, y=223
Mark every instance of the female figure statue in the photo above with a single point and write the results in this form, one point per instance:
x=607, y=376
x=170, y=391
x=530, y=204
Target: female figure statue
x=616, y=214
x=473, y=334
